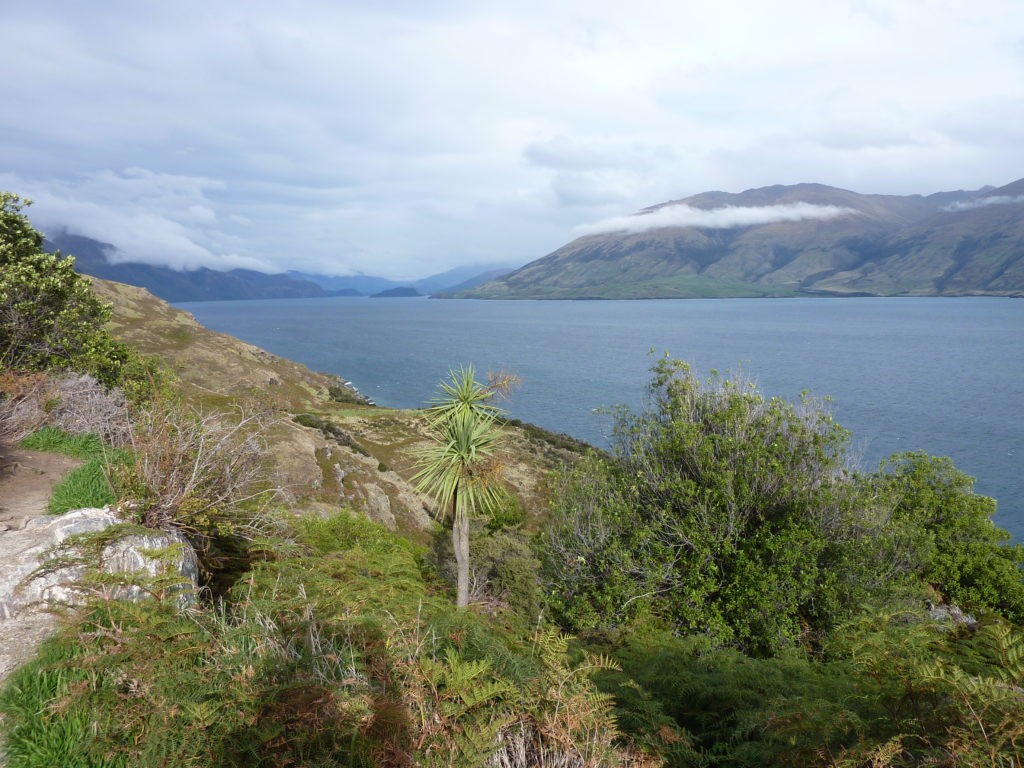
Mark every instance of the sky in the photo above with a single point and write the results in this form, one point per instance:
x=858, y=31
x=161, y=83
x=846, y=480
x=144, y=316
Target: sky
x=405, y=137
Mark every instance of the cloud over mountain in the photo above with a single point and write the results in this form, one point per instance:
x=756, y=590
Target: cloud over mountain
x=726, y=217
x=981, y=202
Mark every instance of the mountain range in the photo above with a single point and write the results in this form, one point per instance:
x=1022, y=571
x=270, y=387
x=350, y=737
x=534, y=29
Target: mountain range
x=92, y=257
x=804, y=239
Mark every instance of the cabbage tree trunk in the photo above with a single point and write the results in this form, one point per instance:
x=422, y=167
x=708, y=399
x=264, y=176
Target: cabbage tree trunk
x=460, y=544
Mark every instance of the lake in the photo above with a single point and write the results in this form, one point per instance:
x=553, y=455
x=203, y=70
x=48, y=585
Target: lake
x=939, y=374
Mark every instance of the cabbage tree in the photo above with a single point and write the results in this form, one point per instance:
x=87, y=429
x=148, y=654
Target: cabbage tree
x=459, y=468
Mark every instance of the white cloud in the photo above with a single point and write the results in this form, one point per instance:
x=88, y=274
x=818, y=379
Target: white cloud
x=726, y=217
x=406, y=138
x=981, y=202
x=147, y=217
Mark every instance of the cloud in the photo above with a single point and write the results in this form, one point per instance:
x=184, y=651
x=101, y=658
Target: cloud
x=726, y=217
x=147, y=217
x=981, y=202
x=406, y=138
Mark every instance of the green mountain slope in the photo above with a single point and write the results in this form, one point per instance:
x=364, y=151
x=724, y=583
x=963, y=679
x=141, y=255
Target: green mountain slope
x=951, y=243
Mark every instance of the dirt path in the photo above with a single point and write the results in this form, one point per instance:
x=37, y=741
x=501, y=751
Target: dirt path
x=26, y=483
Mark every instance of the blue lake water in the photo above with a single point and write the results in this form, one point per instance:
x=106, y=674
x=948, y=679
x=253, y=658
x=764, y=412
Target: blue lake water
x=939, y=374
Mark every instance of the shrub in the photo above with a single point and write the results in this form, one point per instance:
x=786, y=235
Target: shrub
x=341, y=394
x=76, y=404
x=23, y=400
x=503, y=570
x=723, y=513
x=49, y=317
x=964, y=555
x=204, y=474
x=330, y=431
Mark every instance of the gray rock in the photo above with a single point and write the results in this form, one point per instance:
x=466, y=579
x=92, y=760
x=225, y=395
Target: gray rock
x=24, y=623
x=22, y=552
x=377, y=506
x=949, y=612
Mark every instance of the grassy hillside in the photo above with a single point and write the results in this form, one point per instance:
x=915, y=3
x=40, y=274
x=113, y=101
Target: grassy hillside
x=350, y=453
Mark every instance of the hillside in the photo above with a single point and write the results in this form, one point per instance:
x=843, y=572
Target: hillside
x=805, y=239
x=357, y=454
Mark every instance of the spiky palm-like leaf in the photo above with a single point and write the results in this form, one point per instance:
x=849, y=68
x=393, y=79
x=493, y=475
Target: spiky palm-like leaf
x=458, y=469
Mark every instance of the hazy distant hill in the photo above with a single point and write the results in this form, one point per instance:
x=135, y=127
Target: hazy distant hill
x=458, y=278
x=949, y=243
x=171, y=285
x=403, y=292
x=210, y=285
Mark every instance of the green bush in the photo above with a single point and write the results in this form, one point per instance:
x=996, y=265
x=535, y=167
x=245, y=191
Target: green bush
x=341, y=394
x=723, y=513
x=330, y=431
x=503, y=570
x=49, y=317
x=965, y=556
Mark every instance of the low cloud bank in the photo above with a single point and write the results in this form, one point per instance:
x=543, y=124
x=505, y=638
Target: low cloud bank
x=726, y=217
x=981, y=202
x=151, y=218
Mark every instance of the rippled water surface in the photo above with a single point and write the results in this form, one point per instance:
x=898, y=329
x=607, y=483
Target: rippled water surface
x=942, y=375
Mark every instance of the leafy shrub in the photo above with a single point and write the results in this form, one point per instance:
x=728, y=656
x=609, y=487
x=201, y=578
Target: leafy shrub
x=723, y=513
x=49, y=317
x=964, y=554
x=341, y=394
x=330, y=431
x=503, y=570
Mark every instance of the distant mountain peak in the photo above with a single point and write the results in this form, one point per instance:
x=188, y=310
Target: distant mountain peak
x=799, y=239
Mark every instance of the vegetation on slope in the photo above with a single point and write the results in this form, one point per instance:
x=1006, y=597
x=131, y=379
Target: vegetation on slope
x=740, y=595
x=768, y=601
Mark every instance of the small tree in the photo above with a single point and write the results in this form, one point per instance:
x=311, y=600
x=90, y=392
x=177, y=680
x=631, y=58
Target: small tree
x=459, y=469
x=49, y=317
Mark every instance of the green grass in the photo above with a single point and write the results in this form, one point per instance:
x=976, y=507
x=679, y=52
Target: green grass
x=53, y=440
x=36, y=736
x=86, y=486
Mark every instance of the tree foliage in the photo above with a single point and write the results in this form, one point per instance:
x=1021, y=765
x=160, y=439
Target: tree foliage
x=49, y=317
x=738, y=518
x=458, y=469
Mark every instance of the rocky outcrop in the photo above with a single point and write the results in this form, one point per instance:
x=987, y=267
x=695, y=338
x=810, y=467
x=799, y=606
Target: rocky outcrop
x=26, y=591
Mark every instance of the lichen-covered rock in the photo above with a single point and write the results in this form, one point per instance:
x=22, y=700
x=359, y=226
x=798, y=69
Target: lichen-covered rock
x=22, y=552
x=24, y=623
x=377, y=506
